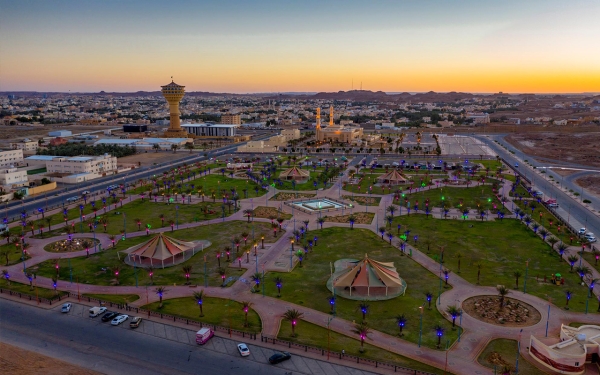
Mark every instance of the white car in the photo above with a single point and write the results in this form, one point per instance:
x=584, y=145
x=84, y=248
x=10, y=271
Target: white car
x=243, y=349
x=553, y=205
x=119, y=319
x=582, y=231
x=590, y=237
x=65, y=308
x=97, y=311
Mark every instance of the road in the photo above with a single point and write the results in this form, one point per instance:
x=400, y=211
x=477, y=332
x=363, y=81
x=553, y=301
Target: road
x=98, y=346
x=572, y=211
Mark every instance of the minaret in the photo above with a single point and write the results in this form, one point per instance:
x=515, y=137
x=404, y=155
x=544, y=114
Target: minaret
x=319, y=118
x=331, y=115
x=173, y=93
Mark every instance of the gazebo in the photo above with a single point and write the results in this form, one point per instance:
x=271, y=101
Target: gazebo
x=162, y=250
x=294, y=173
x=367, y=279
x=392, y=177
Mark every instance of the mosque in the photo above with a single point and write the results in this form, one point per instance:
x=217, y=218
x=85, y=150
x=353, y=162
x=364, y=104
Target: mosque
x=336, y=133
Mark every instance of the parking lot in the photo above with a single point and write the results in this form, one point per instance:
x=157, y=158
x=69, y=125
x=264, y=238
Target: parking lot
x=297, y=364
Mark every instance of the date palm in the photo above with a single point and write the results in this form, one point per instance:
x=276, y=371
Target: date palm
x=582, y=271
x=401, y=322
x=86, y=244
x=364, y=309
x=199, y=297
x=502, y=292
x=278, y=282
x=187, y=270
x=517, y=274
x=246, y=307
x=363, y=330
x=454, y=312
x=293, y=316
x=160, y=291
x=572, y=259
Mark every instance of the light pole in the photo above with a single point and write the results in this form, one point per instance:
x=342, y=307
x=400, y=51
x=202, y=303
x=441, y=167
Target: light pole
x=420, y=325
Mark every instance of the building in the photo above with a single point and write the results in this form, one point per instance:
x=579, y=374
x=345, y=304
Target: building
x=479, y=117
x=577, y=347
x=211, y=130
x=11, y=158
x=98, y=165
x=26, y=145
x=60, y=133
x=291, y=134
x=13, y=178
x=231, y=119
x=173, y=93
x=135, y=128
x=145, y=143
x=58, y=141
x=257, y=146
x=336, y=133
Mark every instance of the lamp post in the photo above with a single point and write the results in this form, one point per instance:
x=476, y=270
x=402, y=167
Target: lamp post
x=420, y=325
x=124, y=227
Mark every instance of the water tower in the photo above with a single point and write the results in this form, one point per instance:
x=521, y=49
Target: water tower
x=174, y=93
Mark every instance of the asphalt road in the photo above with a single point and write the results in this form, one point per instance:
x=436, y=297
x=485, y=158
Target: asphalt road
x=111, y=350
x=569, y=209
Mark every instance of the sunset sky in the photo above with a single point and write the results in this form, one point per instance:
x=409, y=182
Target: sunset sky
x=270, y=46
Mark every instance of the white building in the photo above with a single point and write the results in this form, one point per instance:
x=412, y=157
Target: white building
x=479, y=117
x=98, y=165
x=11, y=158
x=26, y=146
x=211, y=130
x=257, y=146
x=291, y=134
x=11, y=178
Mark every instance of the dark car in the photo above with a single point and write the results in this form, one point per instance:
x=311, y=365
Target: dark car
x=279, y=357
x=109, y=316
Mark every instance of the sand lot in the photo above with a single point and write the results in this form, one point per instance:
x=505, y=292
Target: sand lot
x=17, y=361
x=152, y=157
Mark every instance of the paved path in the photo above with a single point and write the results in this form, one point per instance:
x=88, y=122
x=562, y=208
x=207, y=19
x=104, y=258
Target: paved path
x=463, y=354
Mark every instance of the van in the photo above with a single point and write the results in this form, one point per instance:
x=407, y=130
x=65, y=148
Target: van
x=95, y=311
x=203, y=335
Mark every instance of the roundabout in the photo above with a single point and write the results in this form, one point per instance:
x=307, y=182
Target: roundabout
x=512, y=313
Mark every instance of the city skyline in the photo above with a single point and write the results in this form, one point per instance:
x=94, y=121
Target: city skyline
x=539, y=46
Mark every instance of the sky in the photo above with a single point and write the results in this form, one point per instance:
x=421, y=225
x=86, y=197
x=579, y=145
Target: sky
x=240, y=46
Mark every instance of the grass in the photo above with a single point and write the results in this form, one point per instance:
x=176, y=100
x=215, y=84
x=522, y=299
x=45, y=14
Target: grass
x=14, y=255
x=370, y=181
x=317, y=336
x=546, y=216
x=361, y=200
x=306, y=284
x=507, y=350
x=25, y=289
x=98, y=269
x=501, y=247
x=36, y=171
x=453, y=198
x=265, y=212
x=591, y=259
x=114, y=298
x=217, y=311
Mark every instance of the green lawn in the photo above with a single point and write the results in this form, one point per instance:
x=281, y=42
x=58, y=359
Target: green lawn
x=9, y=254
x=591, y=259
x=306, y=285
x=471, y=197
x=36, y=171
x=502, y=248
x=114, y=298
x=217, y=311
x=25, y=289
x=546, y=217
x=98, y=268
x=369, y=181
x=317, y=336
x=493, y=165
x=508, y=351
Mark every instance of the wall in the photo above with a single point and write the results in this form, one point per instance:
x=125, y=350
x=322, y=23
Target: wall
x=41, y=189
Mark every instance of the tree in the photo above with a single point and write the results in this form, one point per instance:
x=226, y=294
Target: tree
x=150, y=271
x=160, y=291
x=138, y=222
x=278, y=282
x=256, y=278
x=552, y=241
x=162, y=220
x=351, y=220
x=401, y=321
x=156, y=147
x=246, y=307
x=458, y=256
x=439, y=332
x=186, y=271
x=320, y=221
x=112, y=239
x=49, y=222
x=572, y=259
x=453, y=311
x=502, y=292
x=582, y=271
x=174, y=147
x=428, y=296
x=517, y=274
x=116, y=271
x=364, y=309
x=293, y=316
x=479, y=266
x=363, y=330
x=199, y=297
x=86, y=244
x=189, y=146
x=5, y=252
x=248, y=212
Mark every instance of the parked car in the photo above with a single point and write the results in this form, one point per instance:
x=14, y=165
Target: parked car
x=581, y=231
x=135, y=322
x=590, y=237
x=279, y=357
x=96, y=310
x=119, y=319
x=86, y=192
x=72, y=199
x=243, y=349
x=553, y=205
x=65, y=308
x=110, y=315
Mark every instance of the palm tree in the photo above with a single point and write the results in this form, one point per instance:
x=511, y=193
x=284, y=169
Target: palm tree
x=572, y=259
x=117, y=271
x=278, y=282
x=172, y=224
x=439, y=331
x=428, y=296
x=174, y=147
x=453, y=311
x=222, y=274
x=5, y=252
x=568, y=295
x=49, y=221
x=502, y=292
x=320, y=221
x=6, y=276
x=86, y=244
x=363, y=331
x=351, y=220
x=293, y=316
x=150, y=271
x=401, y=321
x=189, y=146
x=246, y=307
x=248, y=212
x=138, y=222
x=160, y=291
x=112, y=239
x=544, y=233
x=582, y=271
x=458, y=256
x=199, y=297
x=156, y=147
x=517, y=274
x=364, y=309
x=479, y=266
x=162, y=220
x=256, y=278
x=186, y=271
x=552, y=241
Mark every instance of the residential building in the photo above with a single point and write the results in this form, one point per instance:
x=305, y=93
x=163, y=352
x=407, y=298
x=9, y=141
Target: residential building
x=26, y=145
x=12, y=178
x=145, y=143
x=11, y=158
x=60, y=133
x=291, y=134
x=99, y=165
x=231, y=119
x=479, y=117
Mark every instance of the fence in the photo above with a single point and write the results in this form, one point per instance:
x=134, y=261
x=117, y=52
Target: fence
x=31, y=297
x=343, y=356
x=168, y=317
